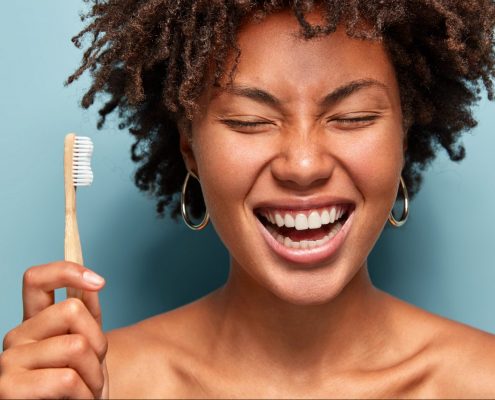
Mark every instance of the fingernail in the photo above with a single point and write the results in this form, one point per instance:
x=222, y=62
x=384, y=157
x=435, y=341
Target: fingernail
x=93, y=278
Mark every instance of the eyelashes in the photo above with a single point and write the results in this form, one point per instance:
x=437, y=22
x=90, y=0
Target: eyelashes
x=244, y=124
x=343, y=122
x=356, y=120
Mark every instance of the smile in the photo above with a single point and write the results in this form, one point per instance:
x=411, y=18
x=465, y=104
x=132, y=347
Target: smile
x=305, y=236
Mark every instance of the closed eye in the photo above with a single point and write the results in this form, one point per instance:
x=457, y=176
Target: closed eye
x=355, y=122
x=244, y=126
x=367, y=118
x=238, y=123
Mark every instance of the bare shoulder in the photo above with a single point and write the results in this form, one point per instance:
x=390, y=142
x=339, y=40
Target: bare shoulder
x=148, y=359
x=466, y=365
x=459, y=358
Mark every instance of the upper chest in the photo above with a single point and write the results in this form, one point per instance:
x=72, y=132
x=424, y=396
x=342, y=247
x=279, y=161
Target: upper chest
x=183, y=376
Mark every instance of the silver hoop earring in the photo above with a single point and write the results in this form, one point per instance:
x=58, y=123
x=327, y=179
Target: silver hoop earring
x=183, y=209
x=405, y=210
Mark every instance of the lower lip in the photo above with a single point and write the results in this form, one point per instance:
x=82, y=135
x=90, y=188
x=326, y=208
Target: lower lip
x=307, y=256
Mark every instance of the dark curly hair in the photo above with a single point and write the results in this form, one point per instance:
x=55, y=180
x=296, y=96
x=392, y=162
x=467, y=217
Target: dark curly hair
x=152, y=58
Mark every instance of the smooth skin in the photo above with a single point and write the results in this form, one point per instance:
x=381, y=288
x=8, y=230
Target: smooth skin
x=276, y=329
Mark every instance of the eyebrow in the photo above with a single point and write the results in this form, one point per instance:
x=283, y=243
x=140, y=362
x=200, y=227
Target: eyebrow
x=349, y=88
x=331, y=98
x=254, y=93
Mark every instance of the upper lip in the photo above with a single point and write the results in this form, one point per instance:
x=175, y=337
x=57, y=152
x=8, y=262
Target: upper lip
x=295, y=204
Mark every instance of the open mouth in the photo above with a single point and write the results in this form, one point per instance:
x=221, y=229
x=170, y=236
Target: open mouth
x=305, y=229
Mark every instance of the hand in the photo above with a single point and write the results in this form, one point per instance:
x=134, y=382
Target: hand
x=59, y=350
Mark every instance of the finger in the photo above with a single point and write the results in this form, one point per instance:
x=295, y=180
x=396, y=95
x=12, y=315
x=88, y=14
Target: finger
x=49, y=383
x=72, y=351
x=40, y=282
x=92, y=301
x=68, y=316
x=105, y=392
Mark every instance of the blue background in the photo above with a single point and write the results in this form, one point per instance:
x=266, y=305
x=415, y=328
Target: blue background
x=440, y=260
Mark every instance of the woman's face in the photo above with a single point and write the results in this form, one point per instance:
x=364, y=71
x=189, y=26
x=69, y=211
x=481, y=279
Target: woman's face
x=310, y=131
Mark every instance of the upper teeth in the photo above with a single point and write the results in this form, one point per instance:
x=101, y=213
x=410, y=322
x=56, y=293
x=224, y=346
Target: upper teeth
x=300, y=220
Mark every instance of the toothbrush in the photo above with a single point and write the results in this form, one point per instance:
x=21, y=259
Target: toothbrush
x=77, y=172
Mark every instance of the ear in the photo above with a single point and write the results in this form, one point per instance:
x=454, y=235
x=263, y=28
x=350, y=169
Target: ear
x=186, y=144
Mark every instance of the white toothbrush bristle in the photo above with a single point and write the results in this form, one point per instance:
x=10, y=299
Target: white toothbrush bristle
x=81, y=161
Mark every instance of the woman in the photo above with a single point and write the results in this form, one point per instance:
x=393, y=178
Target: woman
x=302, y=122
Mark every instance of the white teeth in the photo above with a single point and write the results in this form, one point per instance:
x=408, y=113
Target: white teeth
x=279, y=220
x=325, y=217
x=321, y=241
x=301, y=222
x=287, y=242
x=314, y=220
x=294, y=245
x=271, y=219
x=305, y=244
x=289, y=221
x=335, y=230
x=332, y=215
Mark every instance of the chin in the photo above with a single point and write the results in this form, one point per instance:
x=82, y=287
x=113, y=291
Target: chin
x=306, y=288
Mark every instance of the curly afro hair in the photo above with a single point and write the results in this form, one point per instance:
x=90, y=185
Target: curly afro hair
x=151, y=59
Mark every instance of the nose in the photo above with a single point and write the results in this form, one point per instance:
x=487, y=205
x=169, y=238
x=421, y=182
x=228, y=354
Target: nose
x=303, y=160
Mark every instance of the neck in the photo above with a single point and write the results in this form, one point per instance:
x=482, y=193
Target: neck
x=337, y=335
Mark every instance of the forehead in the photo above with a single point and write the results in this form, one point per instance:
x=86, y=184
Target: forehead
x=274, y=56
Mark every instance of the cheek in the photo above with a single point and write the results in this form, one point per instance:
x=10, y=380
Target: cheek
x=229, y=164
x=374, y=164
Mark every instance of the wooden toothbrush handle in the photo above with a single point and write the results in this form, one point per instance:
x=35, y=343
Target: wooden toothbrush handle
x=72, y=247
x=72, y=243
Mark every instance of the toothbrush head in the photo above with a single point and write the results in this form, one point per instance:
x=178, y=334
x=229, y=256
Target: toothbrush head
x=81, y=161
